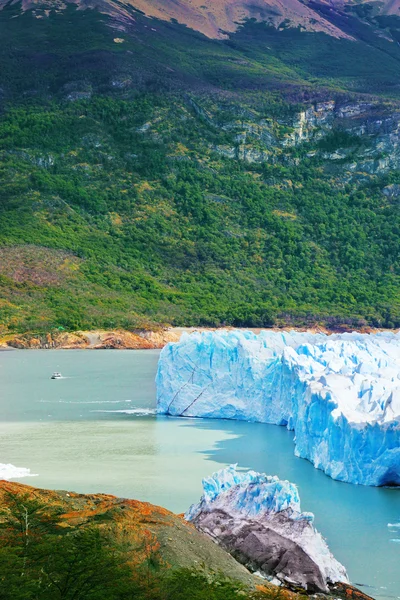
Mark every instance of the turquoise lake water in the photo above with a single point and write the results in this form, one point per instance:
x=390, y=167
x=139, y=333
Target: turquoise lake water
x=77, y=433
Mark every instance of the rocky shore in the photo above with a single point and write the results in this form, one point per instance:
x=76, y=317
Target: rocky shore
x=118, y=339
x=93, y=340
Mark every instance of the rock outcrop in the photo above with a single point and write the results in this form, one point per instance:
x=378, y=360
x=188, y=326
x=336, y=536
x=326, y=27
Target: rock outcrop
x=364, y=136
x=127, y=340
x=94, y=340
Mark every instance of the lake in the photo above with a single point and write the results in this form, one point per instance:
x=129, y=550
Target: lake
x=94, y=431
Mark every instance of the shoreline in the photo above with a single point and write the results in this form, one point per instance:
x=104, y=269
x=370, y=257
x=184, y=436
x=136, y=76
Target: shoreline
x=140, y=339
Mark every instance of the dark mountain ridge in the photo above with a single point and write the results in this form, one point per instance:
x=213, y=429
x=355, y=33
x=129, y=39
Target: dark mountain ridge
x=219, y=18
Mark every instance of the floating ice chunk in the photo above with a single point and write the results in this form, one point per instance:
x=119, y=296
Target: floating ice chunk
x=258, y=518
x=339, y=393
x=8, y=471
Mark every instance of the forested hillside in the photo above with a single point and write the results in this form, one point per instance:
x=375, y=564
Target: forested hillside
x=150, y=175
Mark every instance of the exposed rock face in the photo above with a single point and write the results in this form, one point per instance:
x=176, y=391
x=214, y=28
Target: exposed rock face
x=372, y=145
x=121, y=340
x=392, y=191
x=96, y=340
x=47, y=341
x=261, y=548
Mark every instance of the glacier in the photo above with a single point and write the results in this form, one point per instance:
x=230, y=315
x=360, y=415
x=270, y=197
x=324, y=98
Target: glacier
x=339, y=393
x=258, y=519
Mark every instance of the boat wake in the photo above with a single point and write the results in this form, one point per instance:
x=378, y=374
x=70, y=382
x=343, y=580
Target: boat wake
x=138, y=412
x=85, y=401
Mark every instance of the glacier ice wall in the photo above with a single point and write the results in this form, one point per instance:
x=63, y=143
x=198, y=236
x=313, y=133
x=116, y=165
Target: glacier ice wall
x=339, y=393
x=258, y=519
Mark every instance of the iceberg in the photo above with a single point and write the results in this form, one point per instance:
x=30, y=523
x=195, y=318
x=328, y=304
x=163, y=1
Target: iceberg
x=340, y=393
x=258, y=519
x=8, y=471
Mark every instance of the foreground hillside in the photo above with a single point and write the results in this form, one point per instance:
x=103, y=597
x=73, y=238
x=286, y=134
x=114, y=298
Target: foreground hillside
x=80, y=547
x=151, y=175
x=99, y=546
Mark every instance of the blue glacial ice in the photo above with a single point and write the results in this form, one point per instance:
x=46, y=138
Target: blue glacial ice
x=272, y=494
x=340, y=394
x=259, y=520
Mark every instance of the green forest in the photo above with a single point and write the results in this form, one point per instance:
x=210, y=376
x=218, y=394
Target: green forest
x=119, y=206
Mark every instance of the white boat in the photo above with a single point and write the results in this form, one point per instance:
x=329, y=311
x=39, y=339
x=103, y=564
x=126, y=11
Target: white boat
x=56, y=375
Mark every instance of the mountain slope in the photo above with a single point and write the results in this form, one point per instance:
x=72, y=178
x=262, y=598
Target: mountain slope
x=50, y=46
x=213, y=19
x=149, y=544
x=150, y=174
x=218, y=19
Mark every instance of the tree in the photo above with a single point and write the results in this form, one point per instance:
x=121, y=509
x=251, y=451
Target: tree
x=41, y=560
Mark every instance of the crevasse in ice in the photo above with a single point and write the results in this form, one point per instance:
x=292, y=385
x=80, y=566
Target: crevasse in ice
x=339, y=393
x=258, y=518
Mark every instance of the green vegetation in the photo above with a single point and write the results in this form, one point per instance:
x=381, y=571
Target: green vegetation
x=145, y=222
x=339, y=139
x=59, y=52
x=123, y=203
x=41, y=560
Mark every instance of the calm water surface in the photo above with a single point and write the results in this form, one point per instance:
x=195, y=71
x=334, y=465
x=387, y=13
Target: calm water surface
x=84, y=433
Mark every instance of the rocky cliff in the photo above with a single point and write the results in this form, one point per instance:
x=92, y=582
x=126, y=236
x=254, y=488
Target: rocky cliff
x=352, y=140
x=93, y=340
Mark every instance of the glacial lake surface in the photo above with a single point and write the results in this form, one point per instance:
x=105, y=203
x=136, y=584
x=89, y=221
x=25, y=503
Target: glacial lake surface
x=94, y=431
